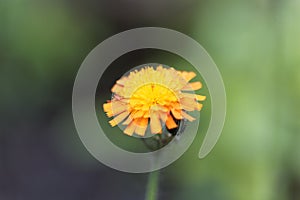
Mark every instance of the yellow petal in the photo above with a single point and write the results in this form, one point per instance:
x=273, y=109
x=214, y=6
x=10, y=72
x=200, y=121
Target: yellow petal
x=177, y=114
x=155, y=124
x=187, y=116
x=176, y=106
x=147, y=114
x=129, y=130
x=192, y=86
x=138, y=114
x=117, y=88
x=199, y=106
x=118, y=118
x=114, y=108
x=188, y=75
x=170, y=123
x=200, y=97
x=141, y=126
x=122, y=81
x=193, y=96
x=128, y=120
x=163, y=116
x=188, y=104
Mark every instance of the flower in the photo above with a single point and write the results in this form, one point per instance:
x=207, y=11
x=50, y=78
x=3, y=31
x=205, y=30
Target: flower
x=155, y=97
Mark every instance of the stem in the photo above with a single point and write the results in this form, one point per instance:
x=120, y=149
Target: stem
x=152, y=186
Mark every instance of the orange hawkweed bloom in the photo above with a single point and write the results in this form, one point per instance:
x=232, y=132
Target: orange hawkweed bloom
x=153, y=97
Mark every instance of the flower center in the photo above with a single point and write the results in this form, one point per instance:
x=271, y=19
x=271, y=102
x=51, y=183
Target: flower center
x=152, y=96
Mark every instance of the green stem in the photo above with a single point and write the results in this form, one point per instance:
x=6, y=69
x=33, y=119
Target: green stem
x=152, y=186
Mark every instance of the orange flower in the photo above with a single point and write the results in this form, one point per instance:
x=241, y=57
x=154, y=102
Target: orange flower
x=153, y=96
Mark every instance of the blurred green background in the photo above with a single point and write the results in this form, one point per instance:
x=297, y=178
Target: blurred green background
x=256, y=46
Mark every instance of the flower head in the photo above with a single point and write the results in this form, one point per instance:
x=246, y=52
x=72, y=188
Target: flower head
x=153, y=97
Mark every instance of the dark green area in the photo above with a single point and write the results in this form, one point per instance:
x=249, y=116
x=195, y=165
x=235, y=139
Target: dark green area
x=255, y=45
